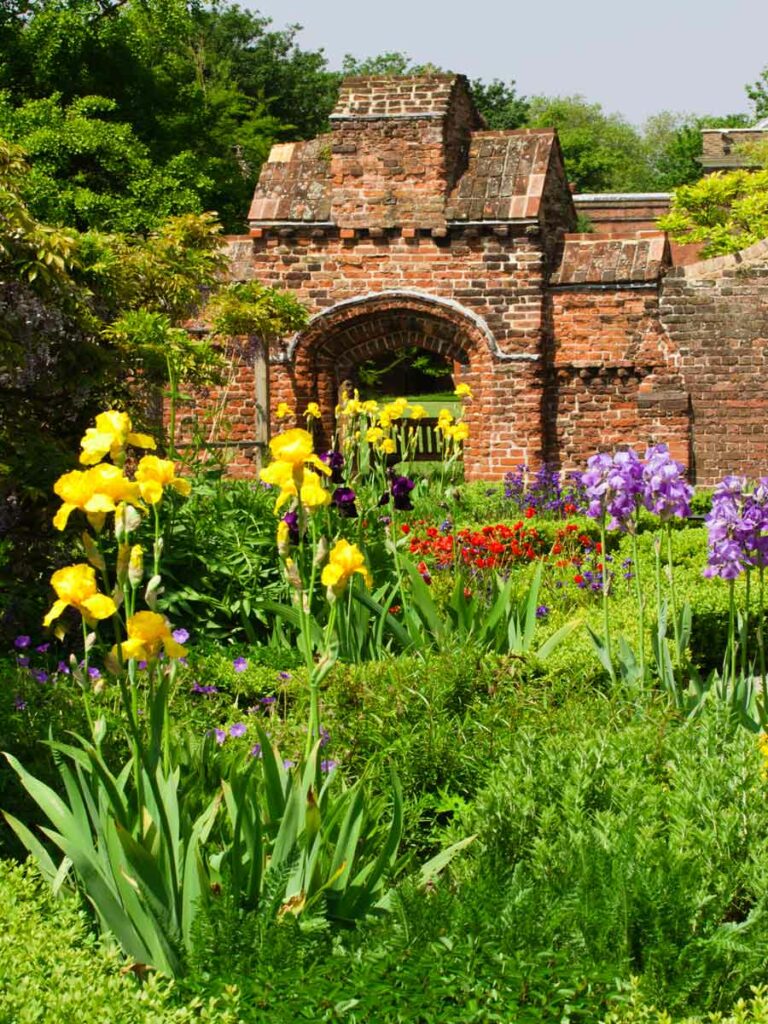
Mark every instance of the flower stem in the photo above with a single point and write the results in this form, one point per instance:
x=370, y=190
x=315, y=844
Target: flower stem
x=640, y=606
x=606, y=616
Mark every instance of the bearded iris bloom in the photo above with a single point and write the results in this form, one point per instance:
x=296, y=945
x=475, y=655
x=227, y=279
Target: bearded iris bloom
x=153, y=475
x=148, y=634
x=344, y=561
x=75, y=587
x=113, y=431
x=95, y=492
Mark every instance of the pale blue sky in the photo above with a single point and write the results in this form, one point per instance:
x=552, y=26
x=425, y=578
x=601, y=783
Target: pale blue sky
x=635, y=58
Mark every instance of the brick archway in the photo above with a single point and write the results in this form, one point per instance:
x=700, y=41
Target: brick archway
x=335, y=342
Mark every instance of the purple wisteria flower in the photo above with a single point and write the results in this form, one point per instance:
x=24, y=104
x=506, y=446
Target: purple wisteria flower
x=237, y=730
x=666, y=492
x=344, y=500
x=240, y=664
x=22, y=642
x=180, y=635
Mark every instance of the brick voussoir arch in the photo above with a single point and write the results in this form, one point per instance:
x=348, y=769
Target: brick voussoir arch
x=450, y=328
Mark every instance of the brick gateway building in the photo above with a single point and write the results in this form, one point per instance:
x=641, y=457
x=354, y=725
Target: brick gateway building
x=409, y=224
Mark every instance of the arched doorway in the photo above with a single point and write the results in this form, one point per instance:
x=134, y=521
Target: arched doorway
x=371, y=333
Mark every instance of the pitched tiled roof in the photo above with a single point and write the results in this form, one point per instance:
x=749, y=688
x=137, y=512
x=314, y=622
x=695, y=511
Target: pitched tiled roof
x=598, y=259
x=504, y=178
x=295, y=183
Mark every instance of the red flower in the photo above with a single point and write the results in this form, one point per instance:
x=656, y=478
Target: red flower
x=530, y=513
x=405, y=528
x=578, y=578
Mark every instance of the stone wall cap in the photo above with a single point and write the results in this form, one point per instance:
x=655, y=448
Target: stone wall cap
x=620, y=197
x=597, y=259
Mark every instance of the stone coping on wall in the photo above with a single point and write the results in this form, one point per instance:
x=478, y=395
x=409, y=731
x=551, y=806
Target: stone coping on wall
x=718, y=266
x=612, y=259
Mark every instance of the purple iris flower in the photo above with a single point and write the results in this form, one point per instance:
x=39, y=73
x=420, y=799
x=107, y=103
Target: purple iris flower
x=401, y=488
x=335, y=462
x=737, y=528
x=613, y=486
x=291, y=520
x=240, y=664
x=344, y=500
x=666, y=492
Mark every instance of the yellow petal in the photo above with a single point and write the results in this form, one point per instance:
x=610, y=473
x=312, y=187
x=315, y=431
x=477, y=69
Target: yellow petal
x=100, y=606
x=99, y=503
x=62, y=516
x=151, y=491
x=181, y=486
x=172, y=649
x=55, y=612
x=141, y=441
x=134, y=648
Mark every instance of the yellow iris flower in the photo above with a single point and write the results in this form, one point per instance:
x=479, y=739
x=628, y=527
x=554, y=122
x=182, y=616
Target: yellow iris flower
x=313, y=494
x=459, y=432
x=296, y=447
x=388, y=446
x=113, y=431
x=463, y=391
x=344, y=561
x=154, y=474
x=418, y=412
x=75, y=587
x=313, y=411
x=94, y=491
x=148, y=634
x=283, y=411
x=373, y=435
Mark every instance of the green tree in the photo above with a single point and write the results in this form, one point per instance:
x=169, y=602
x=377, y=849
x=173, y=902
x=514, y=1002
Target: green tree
x=204, y=83
x=603, y=152
x=725, y=211
x=673, y=145
x=500, y=105
x=758, y=94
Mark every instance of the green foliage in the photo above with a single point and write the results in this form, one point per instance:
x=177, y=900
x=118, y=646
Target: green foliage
x=54, y=969
x=603, y=153
x=673, y=144
x=758, y=94
x=725, y=211
x=89, y=170
x=500, y=104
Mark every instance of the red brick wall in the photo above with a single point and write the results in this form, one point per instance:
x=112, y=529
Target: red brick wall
x=612, y=377
x=716, y=315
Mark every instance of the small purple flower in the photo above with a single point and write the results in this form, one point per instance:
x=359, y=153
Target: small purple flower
x=42, y=648
x=542, y=611
x=240, y=664
x=22, y=661
x=325, y=736
x=40, y=675
x=284, y=675
x=204, y=689
x=220, y=735
x=287, y=763
x=180, y=635
x=20, y=704
x=328, y=766
x=256, y=750
x=142, y=665
x=344, y=500
x=63, y=668
x=94, y=673
x=22, y=642
x=267, y=700
x=237, y=730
